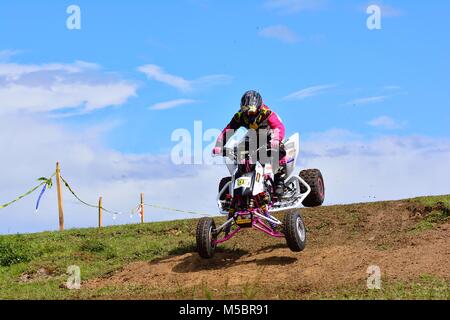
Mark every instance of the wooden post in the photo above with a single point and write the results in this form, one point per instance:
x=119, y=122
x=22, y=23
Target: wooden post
x=142, y=208
x=100, y=213
x=60, y=201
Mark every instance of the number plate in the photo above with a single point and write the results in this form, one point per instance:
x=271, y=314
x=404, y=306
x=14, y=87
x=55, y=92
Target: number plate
x=244, y=221
x=243, y=183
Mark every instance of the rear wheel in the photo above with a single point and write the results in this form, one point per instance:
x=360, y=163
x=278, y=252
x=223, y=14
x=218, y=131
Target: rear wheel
x=295, y=231
x=222, y=184
x=314, y=179
x=205, y=238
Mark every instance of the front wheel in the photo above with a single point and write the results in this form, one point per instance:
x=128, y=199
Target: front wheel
x=222, y=184
x=205, y=238
x=295, y=231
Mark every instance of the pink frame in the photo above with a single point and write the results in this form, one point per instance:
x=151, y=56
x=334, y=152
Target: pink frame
x=257, y=224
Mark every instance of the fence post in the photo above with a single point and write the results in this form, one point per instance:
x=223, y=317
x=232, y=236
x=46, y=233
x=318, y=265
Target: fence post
x=60, y=201
x=142, y=207
x=100, y=213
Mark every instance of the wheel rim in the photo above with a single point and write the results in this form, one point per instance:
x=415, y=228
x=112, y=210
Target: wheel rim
x=301, y=229
x=321, y=188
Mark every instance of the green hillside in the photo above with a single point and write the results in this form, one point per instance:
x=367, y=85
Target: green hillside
x=409, y=239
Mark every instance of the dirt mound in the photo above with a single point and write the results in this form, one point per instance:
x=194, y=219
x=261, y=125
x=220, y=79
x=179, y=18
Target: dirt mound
x=41, y=273
x=343, y=242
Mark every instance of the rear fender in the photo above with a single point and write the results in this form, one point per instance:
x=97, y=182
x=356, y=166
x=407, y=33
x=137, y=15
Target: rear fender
x=292, y=146
x=258, y=183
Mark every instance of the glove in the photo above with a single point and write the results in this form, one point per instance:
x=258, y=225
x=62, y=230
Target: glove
x=217, y=151
x=274, y=144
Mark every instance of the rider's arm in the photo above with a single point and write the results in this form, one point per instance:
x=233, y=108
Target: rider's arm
x=229, y=131
x=277, y=126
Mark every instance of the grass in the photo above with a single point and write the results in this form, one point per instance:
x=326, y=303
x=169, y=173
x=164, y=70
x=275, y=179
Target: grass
x=207, y=294
x=426, y=287
x=34, y=266
x=421, y=226
x=433, y=201
x=14, y=251
x=438, y=207
x=96, y=252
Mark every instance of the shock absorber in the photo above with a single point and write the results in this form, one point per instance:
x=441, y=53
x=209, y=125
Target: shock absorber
x=265, y=202
x=251, y=204
x=266, y=198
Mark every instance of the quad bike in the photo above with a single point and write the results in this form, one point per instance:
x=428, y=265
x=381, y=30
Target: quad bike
x=248, y=199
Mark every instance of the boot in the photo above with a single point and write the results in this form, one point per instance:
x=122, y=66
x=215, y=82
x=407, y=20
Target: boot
x=279, y=186
x=279, y=182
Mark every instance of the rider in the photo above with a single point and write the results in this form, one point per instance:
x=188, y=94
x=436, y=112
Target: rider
x=254, y=114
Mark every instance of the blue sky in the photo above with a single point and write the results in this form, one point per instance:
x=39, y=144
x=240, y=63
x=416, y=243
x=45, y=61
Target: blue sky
x=192, y=39
x=315, y=63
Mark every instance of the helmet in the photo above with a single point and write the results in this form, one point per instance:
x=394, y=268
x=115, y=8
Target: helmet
x=251, y=102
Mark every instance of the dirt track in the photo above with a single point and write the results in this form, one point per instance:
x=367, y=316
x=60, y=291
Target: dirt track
x=343, y=242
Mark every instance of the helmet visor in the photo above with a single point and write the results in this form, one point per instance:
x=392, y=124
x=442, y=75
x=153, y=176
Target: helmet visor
x=250, y=109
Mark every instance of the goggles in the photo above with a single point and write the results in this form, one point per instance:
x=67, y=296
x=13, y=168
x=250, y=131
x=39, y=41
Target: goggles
x=249, y=109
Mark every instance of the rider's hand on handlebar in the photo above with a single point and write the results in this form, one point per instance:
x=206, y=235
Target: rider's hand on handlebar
x=274, y=144
x=217, y=151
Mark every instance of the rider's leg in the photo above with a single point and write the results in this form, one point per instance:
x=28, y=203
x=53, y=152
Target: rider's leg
x=281, y=173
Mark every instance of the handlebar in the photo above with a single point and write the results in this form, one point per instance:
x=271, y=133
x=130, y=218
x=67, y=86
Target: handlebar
x=231, y=153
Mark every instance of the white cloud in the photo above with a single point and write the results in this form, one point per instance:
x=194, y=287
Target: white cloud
x=389, y=91
x=387, y=10
x=386, y=122
x=156, y=73
x=14, y=71
x=172, y=104
x=368, y=100
x=7, y=54
x=55, y=86
x=390, y=11
x=93, y=170
x=279, y=32
x=392, y=88
x=294, y=6
x=60, y=96
x=359, y=169
x=308, y=92
x=355, y=168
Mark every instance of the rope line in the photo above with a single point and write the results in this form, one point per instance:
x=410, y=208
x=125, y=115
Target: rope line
x=75, y=195
x=45, y=181
x=133, y=211
x=177, y=210
x=85, y=203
